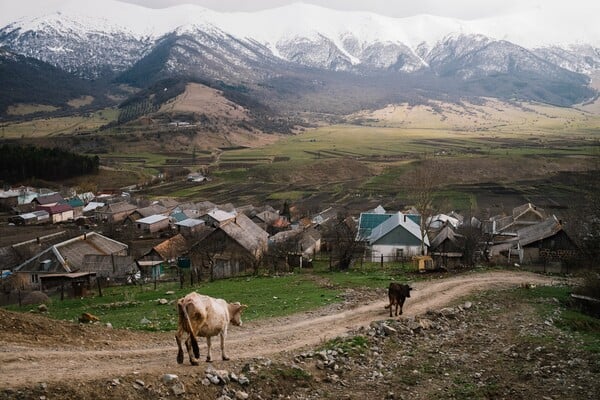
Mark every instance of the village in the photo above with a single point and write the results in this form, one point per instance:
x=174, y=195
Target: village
x=90, y=240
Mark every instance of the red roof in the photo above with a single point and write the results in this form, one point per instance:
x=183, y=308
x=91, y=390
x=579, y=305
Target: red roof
x=56, y=209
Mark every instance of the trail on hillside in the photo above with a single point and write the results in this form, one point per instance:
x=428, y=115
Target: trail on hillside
x=74, y=357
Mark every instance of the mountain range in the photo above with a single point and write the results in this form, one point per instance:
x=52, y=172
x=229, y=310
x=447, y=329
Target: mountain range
x=306, y=56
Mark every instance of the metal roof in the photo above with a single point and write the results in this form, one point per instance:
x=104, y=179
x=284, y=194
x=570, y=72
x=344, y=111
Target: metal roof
x=393, y=222
x=152, y=219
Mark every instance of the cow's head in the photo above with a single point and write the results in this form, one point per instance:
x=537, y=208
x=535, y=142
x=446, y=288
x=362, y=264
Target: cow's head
x=408, y=289
x=235, y=312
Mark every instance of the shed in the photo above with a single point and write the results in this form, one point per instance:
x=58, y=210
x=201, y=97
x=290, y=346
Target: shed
x=153, y=223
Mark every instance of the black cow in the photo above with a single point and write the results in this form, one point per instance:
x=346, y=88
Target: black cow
x=397, y=293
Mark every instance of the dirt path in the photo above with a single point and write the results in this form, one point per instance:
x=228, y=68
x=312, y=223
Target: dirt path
x=23, y=364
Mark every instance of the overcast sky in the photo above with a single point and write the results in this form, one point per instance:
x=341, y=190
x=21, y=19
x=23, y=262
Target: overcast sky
x=462, y=9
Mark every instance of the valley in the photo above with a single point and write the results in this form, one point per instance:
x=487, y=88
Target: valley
x=536, y=152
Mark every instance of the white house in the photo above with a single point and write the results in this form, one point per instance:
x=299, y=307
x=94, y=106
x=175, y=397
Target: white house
x=395, y=238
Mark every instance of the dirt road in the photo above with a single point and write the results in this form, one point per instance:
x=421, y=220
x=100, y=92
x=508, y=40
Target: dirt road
x=97, y=352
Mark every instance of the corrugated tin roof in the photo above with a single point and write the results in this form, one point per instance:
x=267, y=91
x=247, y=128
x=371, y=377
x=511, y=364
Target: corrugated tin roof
x=220, y=215
x=153, y=219
x=56, y=209
x=392, y=223
x=92, y=205
x=368, y=221
x=75, y=202
x=49, y=198
x=190, y=222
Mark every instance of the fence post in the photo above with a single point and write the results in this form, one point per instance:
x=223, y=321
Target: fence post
x=382, y=261
x=99, y=286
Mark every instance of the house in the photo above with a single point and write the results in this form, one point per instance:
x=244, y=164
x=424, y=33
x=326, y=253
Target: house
x=324, y=216
x=114, y=212
x=168, y=203
x=48, y=199
x=447, y=247
x=233, y=248
x=397, y=237
x=32, y=218
x=522, y=216
x=60, y=212
x=440, y=220
x=69, y=256
x=189, y=226
x=216, y=217
x=144, y=212
x=77, y=205
x=153, y=223
x=296, y=247
x=8, y=199
x=152, y=263
x=542, y=243
x=205, y=206
x=196, y=177
x=91, y=207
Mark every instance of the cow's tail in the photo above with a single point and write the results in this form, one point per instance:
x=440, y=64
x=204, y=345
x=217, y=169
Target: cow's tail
x=187, y=324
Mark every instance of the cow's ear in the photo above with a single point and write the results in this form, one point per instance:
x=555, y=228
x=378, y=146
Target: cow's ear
x=243, y=306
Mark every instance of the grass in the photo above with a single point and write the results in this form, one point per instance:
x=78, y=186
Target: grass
x=127, y=306
x=369, y=275
x=44, y=127
x=353, y=345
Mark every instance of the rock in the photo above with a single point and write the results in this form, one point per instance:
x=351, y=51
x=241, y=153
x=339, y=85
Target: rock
x=145, y=321
x=109, y=325
x=168, y=378
x=389, y=331
x=242, y=380
x=467, y=305
x=43, y=308
x=115, y=382
x=178, y=388
x=205, y=382
x=448, y=312
x=170, y=292
x=425, y=324
x=140, y=382
x=241, y=395
x=223, y=375
x=163, y=301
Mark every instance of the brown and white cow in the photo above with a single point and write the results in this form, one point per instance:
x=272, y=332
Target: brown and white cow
x=205, y=316
x=397, y=293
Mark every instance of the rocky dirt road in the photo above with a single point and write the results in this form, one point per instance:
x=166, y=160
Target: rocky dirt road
x=34, y=349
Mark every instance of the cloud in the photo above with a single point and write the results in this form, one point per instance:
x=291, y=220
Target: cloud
x=462, y=9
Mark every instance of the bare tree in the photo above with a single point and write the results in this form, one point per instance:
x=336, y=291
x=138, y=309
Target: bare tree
x=422, y=183
x=280, y=252
x=341, y=235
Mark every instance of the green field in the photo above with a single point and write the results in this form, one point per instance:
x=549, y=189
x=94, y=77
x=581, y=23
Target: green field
x=48, y=127
x=534, y=150
x=266, y=296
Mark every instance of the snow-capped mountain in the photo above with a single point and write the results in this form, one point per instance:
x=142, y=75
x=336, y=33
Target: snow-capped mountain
x=102, y=39
x=89, y=37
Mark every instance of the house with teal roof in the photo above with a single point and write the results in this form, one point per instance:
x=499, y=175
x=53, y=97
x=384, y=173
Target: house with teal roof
x=397, y=237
